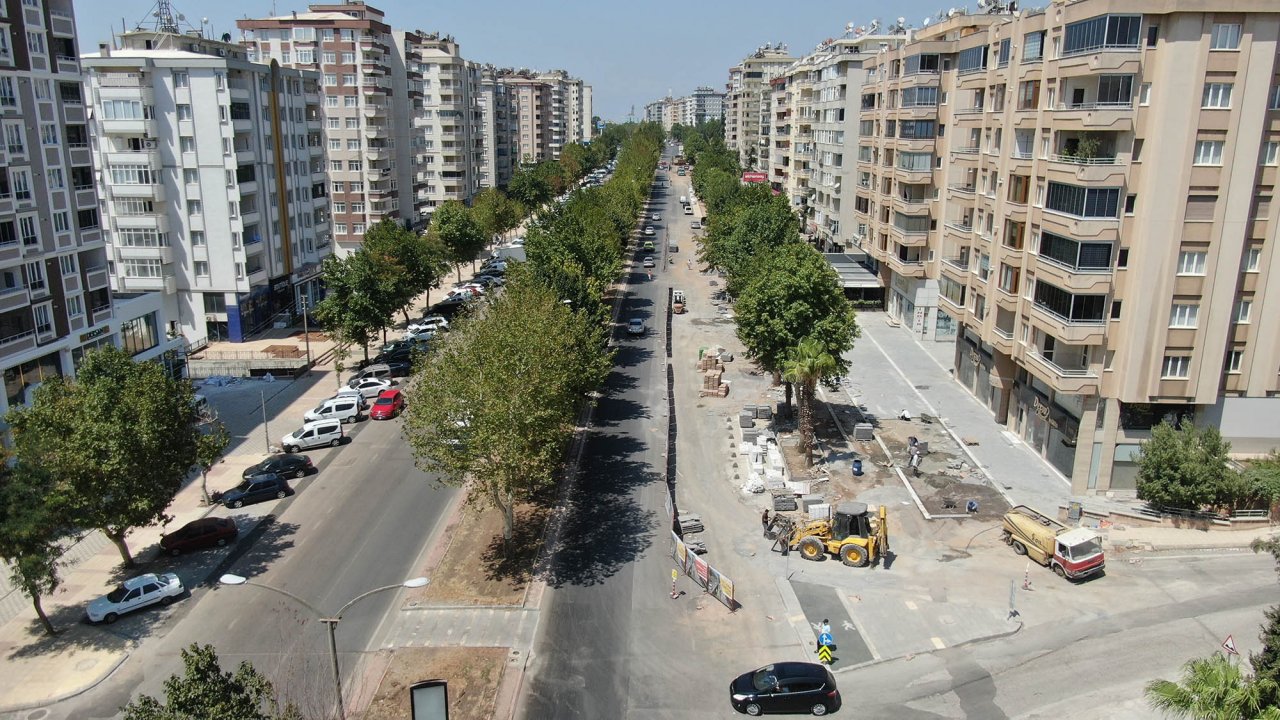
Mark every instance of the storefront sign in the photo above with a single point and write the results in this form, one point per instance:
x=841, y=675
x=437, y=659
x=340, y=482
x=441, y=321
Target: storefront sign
x=973, y=356
x=754, y=177
x=1040, y=408
x=92, y=334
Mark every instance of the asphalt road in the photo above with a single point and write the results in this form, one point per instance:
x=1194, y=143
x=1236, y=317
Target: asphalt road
x=360, y=523
x=588, y=661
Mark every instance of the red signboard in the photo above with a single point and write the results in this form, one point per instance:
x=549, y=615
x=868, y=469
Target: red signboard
x=754, y=177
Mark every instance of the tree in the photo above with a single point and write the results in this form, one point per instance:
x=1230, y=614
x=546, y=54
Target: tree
x=806, y=365
x=1266, y=662
x=530, y=187
x=30, y=530
x=493, y=408
x=575, y=160
x=1183, y=467
x=213, y=441
x=496, y=213
x=458, y=231
x=206, y=691
x=360, y=295
x=1213, y=688
x=795, y=294
x=411, y=263
x=117, y=442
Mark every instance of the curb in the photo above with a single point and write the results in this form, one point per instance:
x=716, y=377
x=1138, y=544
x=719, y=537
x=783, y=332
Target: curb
x=74, y=693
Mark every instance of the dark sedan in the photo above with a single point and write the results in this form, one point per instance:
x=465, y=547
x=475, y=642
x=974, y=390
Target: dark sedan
x=200, y=534
x=788, y=687
x=255, y=490
x=287, y=464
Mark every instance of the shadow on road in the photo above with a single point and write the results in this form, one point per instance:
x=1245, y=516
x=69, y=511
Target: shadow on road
x=606, y=528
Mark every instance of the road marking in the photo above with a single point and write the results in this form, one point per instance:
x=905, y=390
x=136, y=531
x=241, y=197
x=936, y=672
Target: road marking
x=937, y=643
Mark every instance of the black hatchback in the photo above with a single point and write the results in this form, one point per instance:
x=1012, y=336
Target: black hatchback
x=788, y=687
x=286, y=464
x=257, y=489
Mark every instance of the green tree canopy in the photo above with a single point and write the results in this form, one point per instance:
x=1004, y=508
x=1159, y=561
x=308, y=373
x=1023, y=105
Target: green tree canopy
x=117, y=442
x=796, y=294
x=361, y=293
x=32, y=522
x=1213, y=688
x=806, y=365
x=204, y=690
x=412, y=263
x=1183, y=466
x=495, y=403
x=496, y=213
x=459, y=232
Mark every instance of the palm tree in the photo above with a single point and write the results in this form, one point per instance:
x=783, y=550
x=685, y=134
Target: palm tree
x=1213, y=688
x=807, y=364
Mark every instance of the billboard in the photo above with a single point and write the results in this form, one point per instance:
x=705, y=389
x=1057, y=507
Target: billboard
x=754, y=177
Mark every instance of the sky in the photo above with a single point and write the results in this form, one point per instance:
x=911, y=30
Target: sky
x=631, y=53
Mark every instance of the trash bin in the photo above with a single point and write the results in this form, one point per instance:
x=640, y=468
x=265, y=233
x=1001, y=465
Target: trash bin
x=857, y=468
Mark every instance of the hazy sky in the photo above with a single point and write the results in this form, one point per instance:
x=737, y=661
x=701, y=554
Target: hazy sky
x=631, y=53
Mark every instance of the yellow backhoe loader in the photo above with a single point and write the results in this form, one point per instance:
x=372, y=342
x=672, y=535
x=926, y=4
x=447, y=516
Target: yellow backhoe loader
x=853, y=534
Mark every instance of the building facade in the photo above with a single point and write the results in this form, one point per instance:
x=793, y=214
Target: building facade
x=705, y=104
x=548, y=111
x=748, y=122
x=211, y=170
x=55, y=287
x=1090, y=192
x=499, y=131
x=351, y=47
x=439, y=127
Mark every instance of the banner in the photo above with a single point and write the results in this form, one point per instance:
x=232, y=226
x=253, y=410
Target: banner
x=754, y=177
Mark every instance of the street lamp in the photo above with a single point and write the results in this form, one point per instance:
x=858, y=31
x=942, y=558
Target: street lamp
x=306, y=333
x=330, y=622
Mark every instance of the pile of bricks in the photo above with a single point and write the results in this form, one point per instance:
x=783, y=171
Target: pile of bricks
x=713, y=384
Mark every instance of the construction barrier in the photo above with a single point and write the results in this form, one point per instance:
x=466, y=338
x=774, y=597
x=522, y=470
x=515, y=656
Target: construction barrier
x=701, y=572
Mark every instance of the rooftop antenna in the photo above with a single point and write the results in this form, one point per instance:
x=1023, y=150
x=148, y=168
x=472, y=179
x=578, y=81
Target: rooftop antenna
x=164, y=18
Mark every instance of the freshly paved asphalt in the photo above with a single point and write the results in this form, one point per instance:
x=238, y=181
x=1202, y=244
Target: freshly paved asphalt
x=359, y=524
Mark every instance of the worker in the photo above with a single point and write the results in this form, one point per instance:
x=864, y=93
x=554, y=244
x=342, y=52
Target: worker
x=764, y=522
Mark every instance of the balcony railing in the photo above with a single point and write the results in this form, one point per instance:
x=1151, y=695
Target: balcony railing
x=1020, y=155
x=1119, y=105
x=1006, y=334
x=16, y=337
x=1076, y=160
x=967, y=150
x=1066, y=320
x=962, y=227
x=977, y=109
x=960, y=263
x=962, y=188
x=1065, y=372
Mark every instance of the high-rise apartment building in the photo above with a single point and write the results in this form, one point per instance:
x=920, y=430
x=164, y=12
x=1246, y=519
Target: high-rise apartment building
x=748, y=123
x=703, y=105
x=352, y=48
x=1083, y=197
x=439, y=125
x=55, y=288
x=548, y=111
x=499, y=131
x=211, y=169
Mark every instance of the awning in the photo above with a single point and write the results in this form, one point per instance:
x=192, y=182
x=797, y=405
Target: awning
x=852, y=269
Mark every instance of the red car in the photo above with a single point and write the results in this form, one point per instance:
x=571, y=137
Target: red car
x=388, y=405
x=198, y=534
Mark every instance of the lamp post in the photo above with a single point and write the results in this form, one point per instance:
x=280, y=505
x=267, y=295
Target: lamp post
x=306, y=333
x=330, y=622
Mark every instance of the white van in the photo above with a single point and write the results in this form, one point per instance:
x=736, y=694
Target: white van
x=313, y=434
x=377, y=370
x=684, y=200
x=344, y=408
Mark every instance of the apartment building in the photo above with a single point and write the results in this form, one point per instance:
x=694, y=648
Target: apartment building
x=55, y=289
x=1083, y=199
x=748, y=122
x=352, y=48
x=439, y=127
x=548, y=111
x=704, y=104
x=496, y=115
x=211, y=170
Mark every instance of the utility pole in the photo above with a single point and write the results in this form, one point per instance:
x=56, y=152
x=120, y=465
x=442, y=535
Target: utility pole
x=306, y=334
x=266, y=433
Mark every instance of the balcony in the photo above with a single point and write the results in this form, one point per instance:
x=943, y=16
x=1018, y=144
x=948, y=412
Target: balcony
x=17, y=343
x=136, y=252
x=1081, y=330
x=1073, y=380
x=96, y=278
x=967, y=189
x=13, y=299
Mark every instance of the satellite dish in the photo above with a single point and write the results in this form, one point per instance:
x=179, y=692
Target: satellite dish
x=181, y=16
x=848, y=27
x=925, y=22
x=902, y=21
x=951, y=12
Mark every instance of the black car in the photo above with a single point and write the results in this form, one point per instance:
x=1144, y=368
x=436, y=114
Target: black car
x=787, y=687
x=286, y=465
x=255, y=490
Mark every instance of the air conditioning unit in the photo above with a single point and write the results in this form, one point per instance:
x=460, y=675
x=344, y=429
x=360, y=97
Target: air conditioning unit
x=170, y=285
x=149, y=144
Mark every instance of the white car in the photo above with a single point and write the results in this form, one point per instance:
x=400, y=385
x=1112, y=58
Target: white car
x=372, y=387
x=648, y=230
x=133, y=594
x=648, y=262
x=430, y=322
x=656, y=217
x=491, y=280
x=635, y=326
x=420, y=334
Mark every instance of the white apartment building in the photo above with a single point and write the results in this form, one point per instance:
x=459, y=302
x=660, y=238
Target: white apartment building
x=748, y=122
x=212, y=181
x=55, y=288
x=351, y=47
x=703, y=105
x=439, y=126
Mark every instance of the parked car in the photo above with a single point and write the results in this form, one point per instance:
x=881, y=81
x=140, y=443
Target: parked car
x=648, y=246
x=256, y=490
x=388, y=405
x=313, y=434
x=199, y=534
x=286, y=464
x=436, y=322
x=397, y=347
x=376, y=370
x=370, y=387
x=648, y=230
x=648, y=261
x=688, y=210
x=491, y=280
x=788, y=687
x=655, y=217
x=343, y=408
x=635, y=326
x=420, y=334
x=133, y=594
x=695, y=225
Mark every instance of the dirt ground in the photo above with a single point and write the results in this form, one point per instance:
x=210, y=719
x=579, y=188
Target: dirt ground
x=476, y=569
x=473, y=674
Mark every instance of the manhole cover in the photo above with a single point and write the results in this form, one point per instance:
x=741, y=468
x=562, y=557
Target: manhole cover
x=40, y=714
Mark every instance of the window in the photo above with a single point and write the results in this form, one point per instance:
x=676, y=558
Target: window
x=197, y=238
x=75, y=306
x=1191, y=262
x=1252, y=258
x=333, y=123
x=1273, y=100
x=48, y=133
x=1116, y=306
x=348, y=79
x=1088, y=256
x=1153, y=35
x=348, y=58
x=1225, y=36
x=1201, y=207
x=1033, y=46
x=1184, y=315
x=1029, y=95
x=1216, y=96
x=355, y=165
x=1235, y=359
x=61, y=222
x=35, y=276
x=8, y=98
x=14, y=139
x=184, y=112
x=1208, y=152
x=1106, y=31
x=1244, y=309
x=1130, y=202
x=335, y=165
x=972, y=60
x=187, y=144
x=21, y=182
x=335, y=144
x=353, y=123
x=43, y=315
x=1116, y=90
x=353, y=144
x=27, y=228
x=1144, y=94
x=35, y=41
x=357, y=228
x=67, y=264
x=331, y=101
x=350, y=101
x=1176, y=367
x=1083, y=202
x=202, y=268
x=329, y=58
x=194, y=207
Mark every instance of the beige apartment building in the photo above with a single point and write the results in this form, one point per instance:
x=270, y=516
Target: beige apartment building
x=496, y=115
x=748, y=122
x=352, y=48
x=1082, y=197
x=549, y=110
x=439, y=128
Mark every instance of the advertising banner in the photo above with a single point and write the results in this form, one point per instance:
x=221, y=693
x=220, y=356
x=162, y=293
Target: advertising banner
x=754, y=177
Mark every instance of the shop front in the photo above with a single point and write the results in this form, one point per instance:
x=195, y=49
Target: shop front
x=976, y=367
x=1049, y=424
x=913, y=302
